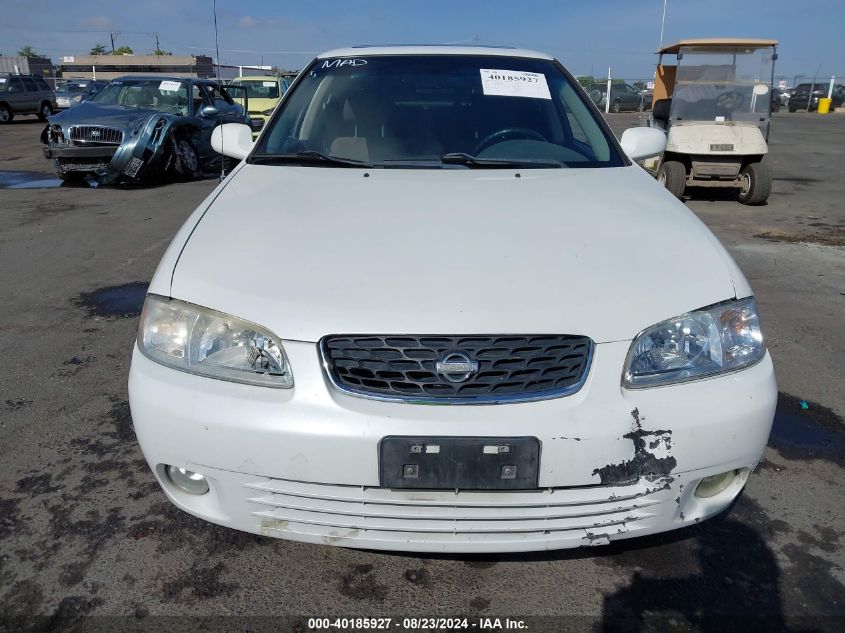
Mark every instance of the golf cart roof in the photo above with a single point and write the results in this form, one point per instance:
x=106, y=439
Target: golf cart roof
x=718, y=42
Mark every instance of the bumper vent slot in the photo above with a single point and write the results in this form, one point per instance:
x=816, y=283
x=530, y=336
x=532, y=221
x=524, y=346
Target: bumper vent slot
x=484, y=369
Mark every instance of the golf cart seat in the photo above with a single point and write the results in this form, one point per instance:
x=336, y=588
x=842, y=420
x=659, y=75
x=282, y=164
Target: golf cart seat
x=660, y=112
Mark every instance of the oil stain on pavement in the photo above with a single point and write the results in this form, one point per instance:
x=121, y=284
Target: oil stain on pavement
x=807, y=430
x=123, y=301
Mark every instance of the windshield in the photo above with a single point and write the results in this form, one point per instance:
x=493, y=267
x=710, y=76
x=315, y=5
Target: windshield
x=724, y=85
x=430, y=110
x=167, y=95
x=259, y=89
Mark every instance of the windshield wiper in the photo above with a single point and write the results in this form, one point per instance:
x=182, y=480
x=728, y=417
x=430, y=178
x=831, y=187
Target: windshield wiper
x=468, y=160
x=308, y=156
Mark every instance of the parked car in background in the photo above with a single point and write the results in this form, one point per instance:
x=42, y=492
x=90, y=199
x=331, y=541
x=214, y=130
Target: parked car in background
x=623, y=97
x=646, y=97
x=810, y=93
x=781, y=96
x=75, y=91
x=25, y=94
x=264, y=93
x=139, y=127
x=537, y=386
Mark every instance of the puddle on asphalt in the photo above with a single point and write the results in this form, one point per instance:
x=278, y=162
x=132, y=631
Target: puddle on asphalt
x=28, y=180
x=123, y=301
x=38, y=180
x=813, y=432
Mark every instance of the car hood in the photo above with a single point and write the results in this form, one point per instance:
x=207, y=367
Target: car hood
x=310, y=251
x=90, y=113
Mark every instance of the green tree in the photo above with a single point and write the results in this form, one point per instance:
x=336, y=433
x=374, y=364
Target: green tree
x=158, y=51
x=123, y=50
x=27, y=51
x=99, y=49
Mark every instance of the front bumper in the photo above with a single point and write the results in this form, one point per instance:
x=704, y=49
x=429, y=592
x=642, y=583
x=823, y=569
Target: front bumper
x=302, y=464
x=257, y=121
x=56, y=151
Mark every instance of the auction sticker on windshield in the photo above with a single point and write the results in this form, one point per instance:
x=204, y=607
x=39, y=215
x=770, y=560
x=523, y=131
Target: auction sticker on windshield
x=514, y=83
x=170, y=86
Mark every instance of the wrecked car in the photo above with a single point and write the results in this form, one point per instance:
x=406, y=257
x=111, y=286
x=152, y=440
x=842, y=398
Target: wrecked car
x=460, y=347
x=138, y=128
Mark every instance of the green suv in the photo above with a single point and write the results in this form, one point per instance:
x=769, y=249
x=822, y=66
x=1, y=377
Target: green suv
x=25, y=94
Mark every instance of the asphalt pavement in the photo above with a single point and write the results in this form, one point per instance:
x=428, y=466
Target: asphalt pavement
x=88, y=540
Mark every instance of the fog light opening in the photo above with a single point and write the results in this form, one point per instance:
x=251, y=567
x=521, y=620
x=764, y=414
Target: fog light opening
x=187, y=480
x=711, y=486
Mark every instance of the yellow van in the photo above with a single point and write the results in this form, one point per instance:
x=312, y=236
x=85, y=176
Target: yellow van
x=263, y=93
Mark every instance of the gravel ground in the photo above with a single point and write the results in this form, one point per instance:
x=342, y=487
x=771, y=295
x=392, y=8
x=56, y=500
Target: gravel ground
x=88, y=540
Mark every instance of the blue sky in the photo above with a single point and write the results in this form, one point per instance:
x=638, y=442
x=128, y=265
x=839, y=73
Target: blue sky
x=586, y=36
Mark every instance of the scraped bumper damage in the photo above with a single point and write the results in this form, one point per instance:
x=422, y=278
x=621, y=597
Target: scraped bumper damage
x=302, y=464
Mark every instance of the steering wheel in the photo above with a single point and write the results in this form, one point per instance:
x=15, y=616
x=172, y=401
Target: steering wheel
x=501, y=135
x=730, y=100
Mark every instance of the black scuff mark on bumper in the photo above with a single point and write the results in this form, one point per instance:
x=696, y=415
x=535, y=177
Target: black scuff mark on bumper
x=644, y=464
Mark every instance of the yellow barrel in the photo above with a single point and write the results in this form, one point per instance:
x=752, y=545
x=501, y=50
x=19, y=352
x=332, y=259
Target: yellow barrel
x=824, y=106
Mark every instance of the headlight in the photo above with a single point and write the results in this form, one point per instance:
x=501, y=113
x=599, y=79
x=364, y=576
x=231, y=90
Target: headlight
x=76, y=99
x=58, y=134
x=709, y=341
x=268, y=112
x=209, y=343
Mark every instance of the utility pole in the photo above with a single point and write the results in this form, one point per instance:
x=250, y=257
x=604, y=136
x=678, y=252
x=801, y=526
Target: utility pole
x=662, y=23
x=112, y=36
x=158, y=48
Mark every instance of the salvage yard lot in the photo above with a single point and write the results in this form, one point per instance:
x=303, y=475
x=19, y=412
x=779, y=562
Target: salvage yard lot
x=85, y=530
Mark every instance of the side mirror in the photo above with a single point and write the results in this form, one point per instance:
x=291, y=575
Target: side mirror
x=640, y=143
x=209, y=110
x=233, y=140
x=595, y=96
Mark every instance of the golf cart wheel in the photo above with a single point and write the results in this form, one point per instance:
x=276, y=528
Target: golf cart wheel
x=673, y=175
x=755, y=183
x=187, y=161
x=6, y=115
x=615, y=107
x=45, y=111
x=791, y=109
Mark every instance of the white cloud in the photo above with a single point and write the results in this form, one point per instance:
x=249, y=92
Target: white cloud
x=95, y=22
x=249, y=22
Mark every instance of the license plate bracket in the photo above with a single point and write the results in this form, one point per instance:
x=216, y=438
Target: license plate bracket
x=459, y=463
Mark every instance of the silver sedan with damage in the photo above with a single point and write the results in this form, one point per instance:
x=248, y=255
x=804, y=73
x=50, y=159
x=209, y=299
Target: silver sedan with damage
x=141, y=128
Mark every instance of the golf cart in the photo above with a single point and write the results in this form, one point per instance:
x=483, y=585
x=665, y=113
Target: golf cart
x=715, y=105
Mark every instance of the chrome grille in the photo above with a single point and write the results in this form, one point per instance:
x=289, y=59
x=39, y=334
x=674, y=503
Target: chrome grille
x=96, y=134
x=499, y=368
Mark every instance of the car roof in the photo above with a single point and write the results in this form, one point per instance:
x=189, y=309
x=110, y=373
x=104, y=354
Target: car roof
x=433, y=49
x=257, y=78
x=159, y=78
x=726, y=42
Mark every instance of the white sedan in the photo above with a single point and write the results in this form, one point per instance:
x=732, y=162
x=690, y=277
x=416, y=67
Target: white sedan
x=438, y=307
